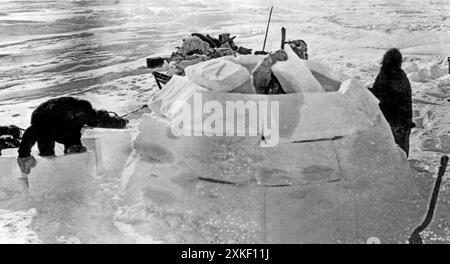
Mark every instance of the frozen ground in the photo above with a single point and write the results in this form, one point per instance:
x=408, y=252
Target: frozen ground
x=97, y=49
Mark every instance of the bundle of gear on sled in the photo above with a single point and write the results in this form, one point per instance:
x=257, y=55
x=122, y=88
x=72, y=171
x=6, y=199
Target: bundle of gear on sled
x=199, y=48
x=196, y=48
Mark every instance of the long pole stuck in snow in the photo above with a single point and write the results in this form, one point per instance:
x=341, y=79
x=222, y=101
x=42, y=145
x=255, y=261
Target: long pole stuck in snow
x=267, y=29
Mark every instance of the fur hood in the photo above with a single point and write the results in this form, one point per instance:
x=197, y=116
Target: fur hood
x=392, y=60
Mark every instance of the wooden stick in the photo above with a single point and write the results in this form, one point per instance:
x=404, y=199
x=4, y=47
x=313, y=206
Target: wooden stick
x=415, y=237
x=283, y=37
x=267, y=29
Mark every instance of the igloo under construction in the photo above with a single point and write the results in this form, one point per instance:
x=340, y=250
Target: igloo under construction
x=320, y=166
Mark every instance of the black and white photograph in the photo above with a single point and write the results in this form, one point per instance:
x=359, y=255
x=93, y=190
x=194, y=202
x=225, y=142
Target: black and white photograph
x=231, y=122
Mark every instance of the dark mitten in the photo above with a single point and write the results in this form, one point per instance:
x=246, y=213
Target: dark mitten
x=106, y=119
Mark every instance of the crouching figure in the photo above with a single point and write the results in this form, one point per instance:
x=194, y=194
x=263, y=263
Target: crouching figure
x=61, y=120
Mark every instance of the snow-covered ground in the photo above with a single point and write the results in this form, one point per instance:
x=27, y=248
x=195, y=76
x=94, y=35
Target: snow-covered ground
x=96, y=50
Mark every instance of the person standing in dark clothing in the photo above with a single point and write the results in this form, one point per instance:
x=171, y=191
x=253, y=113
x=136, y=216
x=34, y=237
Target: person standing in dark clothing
x=393, y=89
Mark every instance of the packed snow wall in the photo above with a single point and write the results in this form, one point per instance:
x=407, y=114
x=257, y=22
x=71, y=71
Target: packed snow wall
x=70, y=194
x=66, y=194
x=335, y=176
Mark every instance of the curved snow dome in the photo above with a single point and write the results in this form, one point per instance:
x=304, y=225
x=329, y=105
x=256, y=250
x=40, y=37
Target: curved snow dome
x=335, y=174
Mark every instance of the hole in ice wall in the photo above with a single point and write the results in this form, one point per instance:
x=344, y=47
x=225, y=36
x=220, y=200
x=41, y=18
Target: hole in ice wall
x=215, y=181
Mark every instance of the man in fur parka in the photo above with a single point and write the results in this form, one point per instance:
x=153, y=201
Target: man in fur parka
x=393, y=89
